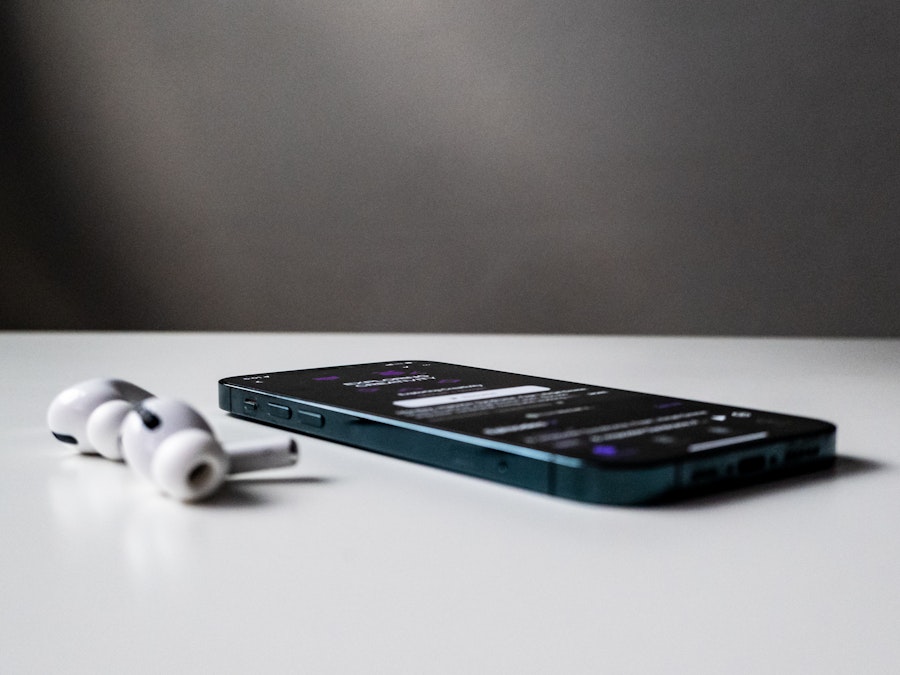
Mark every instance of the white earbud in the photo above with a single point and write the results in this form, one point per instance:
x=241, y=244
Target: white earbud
x=165, y=441
x=171, y=445
x=88, y=415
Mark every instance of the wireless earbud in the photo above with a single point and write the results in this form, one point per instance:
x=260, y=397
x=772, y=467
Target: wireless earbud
x=165, y=441
x=171, y=445
x=88, y=415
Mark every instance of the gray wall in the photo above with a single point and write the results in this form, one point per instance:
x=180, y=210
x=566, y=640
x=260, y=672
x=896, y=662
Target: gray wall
x=481, y=165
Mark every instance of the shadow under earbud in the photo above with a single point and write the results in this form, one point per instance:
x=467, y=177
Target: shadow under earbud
x=238, y=493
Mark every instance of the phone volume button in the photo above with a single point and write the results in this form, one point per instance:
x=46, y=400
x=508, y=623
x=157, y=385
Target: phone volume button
x=280, y=411
x=310, y=419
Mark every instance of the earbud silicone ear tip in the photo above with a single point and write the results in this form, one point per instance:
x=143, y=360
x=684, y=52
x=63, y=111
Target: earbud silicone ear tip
x=189, y=465
x=103, y=427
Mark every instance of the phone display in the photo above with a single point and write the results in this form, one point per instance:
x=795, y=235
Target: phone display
x=580, y=441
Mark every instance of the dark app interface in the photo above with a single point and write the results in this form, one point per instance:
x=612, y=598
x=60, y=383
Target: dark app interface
x=594, y=423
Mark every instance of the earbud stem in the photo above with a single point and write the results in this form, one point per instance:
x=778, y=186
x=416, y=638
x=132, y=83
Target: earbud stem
x=257, y=455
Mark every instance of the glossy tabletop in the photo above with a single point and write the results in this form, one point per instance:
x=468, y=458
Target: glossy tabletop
x=352, y=562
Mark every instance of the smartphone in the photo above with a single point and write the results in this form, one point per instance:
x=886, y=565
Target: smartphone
x=579, y=441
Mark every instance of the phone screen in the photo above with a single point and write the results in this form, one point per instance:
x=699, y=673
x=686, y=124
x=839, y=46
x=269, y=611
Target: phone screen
x=594, y=424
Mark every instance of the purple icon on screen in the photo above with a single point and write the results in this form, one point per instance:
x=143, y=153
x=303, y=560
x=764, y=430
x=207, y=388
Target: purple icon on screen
x=392, y=373
x=448, y=381
x=605, y=450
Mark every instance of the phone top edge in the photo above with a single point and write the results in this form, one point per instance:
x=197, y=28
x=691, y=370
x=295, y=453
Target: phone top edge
x=240, y=380
x=825, y=435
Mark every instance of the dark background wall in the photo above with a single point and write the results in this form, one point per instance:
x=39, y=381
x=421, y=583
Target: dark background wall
x=506, y=165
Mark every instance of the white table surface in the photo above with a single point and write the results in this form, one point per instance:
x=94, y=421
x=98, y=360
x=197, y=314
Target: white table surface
x=356, y=563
